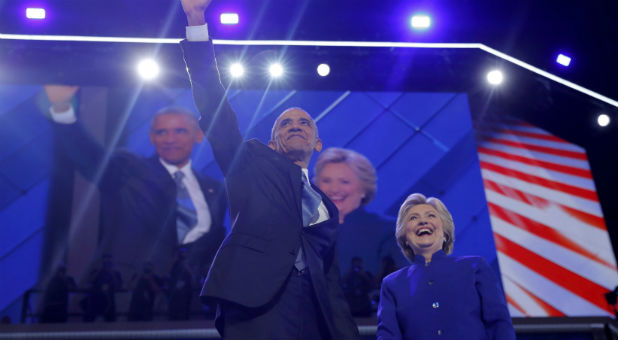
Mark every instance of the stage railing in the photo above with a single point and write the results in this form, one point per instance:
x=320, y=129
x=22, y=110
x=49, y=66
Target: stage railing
x=593, y=328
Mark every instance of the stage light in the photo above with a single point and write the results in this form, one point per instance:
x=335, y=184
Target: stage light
x=323, y=70
x=237, y=70
x=35, y=13
x=420, y=22
x=275, y=70
x=563, y=60
x=603, y=120
x=495, y=77
x=148, y=69
x=229, y=18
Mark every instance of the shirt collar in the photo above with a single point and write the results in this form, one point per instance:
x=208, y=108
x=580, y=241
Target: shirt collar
x=306, y=172
x=439, y=255
x=186, y=169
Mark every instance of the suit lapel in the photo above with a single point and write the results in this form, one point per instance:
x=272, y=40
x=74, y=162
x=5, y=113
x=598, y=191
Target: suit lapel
x=162, y=176
x=209, y=190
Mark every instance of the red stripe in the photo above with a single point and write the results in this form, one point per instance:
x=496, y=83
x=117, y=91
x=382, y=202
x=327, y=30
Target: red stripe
x=569, y=189
x=544, y=232
x=587, y=218
x=515, y=305
x=536, y=201
x=549, y=309
x=565, y=278
x=535, y=135
x=544, y=149
x=529, y=199
x=584, y=173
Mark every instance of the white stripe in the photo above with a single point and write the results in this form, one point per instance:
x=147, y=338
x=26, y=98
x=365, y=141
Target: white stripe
x=594, y=240
x=515, y=313
x=568, y=259
x=539, y=171
x=536, y=141
x=572, y=162
x=89, y=38
x=527, y=303
x=329, y=43
x=558, y=297
x=240, y=42
x=571, y=201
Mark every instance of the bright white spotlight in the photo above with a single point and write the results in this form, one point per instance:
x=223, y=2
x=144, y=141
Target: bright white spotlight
x=229, y=18
x=323, y=70
x=275, y=70
x=603, y=119
x=420, y=21
x=237, y=70
x=495, y=77
x=148, y=69
x=35, y=13
x=563, y=60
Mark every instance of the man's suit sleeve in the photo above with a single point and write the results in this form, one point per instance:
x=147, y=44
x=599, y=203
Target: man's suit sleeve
x=83, y=151
x=345, y=326
x=218, y=119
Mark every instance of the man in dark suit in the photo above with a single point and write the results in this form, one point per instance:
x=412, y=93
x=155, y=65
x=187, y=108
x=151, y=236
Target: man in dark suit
x=142, y=218
x=276, y=275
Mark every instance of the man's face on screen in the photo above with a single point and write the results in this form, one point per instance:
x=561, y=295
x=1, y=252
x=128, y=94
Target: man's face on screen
x=173, y=136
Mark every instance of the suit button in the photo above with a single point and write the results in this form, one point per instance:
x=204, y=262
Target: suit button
x=430, y=282
x=435, y=305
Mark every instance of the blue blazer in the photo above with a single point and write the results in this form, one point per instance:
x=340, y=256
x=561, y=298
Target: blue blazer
x=448, y=298
x=264, y=191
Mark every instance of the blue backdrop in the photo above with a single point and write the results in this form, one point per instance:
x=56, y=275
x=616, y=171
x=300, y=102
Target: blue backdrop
x=418, y=142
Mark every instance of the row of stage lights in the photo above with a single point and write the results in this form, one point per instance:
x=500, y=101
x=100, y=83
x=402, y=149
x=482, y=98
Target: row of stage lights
x=419, y=22
x=148, y=70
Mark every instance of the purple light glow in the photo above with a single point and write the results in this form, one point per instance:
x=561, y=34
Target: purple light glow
x=420, y=22
x=35, y=13
x=563, y=60
x=229, y=18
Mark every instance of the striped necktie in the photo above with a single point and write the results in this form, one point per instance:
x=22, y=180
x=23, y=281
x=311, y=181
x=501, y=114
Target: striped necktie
x=186, y=215
x=310, y=201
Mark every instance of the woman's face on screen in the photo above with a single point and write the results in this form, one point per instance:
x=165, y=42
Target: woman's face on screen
x=342, y=186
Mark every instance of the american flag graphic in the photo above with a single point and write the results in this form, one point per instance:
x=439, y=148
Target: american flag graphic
x=554, y=251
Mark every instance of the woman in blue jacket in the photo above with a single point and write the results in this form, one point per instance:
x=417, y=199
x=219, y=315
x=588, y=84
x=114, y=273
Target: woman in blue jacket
x=439, y=296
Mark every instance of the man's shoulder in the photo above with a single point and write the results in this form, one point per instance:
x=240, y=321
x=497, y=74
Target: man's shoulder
x=204, y=178
x=124, y=164
x=257, y=150
x=124, y=157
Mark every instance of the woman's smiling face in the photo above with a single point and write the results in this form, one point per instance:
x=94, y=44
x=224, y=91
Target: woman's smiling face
x=342, y=186
x=424, y=230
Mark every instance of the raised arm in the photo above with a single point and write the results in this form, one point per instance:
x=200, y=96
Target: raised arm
x=218, y=119
x=194, y=10
x=84, y=151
